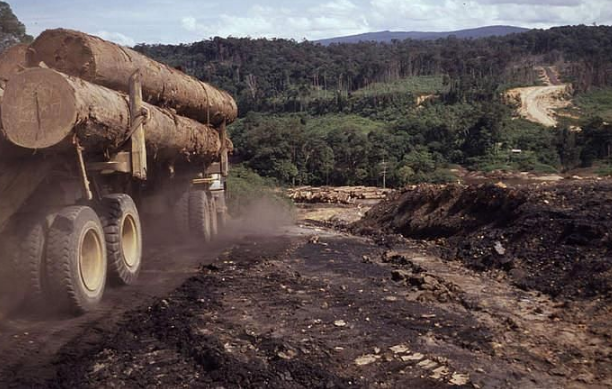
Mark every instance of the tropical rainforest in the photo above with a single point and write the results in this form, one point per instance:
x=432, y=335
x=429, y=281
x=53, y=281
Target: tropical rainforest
x=344, y=113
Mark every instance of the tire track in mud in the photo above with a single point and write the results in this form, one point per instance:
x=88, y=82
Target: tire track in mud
x=315, y=308
x=339, y=311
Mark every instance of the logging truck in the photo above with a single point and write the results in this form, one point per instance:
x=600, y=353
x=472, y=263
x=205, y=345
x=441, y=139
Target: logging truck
x=96, y=137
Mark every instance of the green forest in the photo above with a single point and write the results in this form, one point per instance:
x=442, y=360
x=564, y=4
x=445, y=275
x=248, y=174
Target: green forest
x=12, y=31
x=341, y=114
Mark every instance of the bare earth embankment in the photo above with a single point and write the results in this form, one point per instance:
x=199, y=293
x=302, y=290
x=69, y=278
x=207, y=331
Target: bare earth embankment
x=538, y=103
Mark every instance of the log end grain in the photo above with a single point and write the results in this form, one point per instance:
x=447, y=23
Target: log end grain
x=39, y=109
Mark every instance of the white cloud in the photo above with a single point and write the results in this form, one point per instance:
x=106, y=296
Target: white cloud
x=173, y=21
x=445, y=15
x=189, y=23
x=327, y=19
x=116, y=37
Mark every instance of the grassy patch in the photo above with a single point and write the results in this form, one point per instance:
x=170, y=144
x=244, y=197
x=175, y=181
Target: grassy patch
x=245, y=188
x=604, y=170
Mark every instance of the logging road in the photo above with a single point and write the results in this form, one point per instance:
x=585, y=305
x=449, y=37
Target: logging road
x=538, y=103
x=307, y=307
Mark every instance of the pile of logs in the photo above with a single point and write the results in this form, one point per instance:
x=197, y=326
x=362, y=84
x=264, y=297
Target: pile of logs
x=68, y=85
x=336, y=195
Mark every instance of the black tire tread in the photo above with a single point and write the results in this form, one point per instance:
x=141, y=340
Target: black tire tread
x=113, y=208
x=60, y=281
x=28, y=259
x=199, y=215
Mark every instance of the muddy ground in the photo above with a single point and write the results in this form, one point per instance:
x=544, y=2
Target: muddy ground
x=310, y=307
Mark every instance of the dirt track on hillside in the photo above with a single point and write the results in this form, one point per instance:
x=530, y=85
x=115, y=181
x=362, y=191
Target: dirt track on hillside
x=538, y=103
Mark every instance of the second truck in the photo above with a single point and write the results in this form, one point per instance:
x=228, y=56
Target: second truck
x=95, y=137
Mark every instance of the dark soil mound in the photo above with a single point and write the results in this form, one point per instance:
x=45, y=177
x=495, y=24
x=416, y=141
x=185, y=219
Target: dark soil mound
x=554, y=238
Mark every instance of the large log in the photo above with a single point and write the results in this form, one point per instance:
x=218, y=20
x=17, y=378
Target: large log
x=12, y=61
x=110, y=65
x=43, y=109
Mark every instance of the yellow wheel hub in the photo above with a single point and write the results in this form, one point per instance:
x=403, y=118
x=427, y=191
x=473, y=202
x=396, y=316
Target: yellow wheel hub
x=91, y=260
x=129, y=242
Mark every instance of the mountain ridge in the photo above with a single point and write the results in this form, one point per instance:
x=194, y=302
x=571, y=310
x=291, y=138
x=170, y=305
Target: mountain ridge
x=388, y=36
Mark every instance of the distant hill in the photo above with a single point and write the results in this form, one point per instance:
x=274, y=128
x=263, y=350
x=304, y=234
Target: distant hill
x=388, y=36
x=12, y=31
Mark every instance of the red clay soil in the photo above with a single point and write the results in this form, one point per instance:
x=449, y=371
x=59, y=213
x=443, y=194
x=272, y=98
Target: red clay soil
x=554, y=238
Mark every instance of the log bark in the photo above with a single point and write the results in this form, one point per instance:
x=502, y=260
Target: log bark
x=44, y=109
x=110, y=65
x=12, y=61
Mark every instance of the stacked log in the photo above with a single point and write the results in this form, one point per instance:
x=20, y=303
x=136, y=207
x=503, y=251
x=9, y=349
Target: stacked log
x=45, y=109
x=336, y=195
x=75, y=90
x=104, y=63
x=12, y=61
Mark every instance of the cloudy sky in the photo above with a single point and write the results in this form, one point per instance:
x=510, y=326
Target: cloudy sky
x=173, y=21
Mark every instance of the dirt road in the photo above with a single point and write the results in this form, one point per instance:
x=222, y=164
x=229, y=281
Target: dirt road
x=538, y=103
x=305, y=307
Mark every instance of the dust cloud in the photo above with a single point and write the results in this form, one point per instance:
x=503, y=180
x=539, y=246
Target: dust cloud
x=12, y=291
x=263, y=216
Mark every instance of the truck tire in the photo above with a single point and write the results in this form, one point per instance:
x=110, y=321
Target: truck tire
x=28, y=254
x=123, y=233
x=199, y=215
x=222, y=216
x=180, y=216
x=214, y=228
x=221, y=208
x=22, y=246
x=76, y=259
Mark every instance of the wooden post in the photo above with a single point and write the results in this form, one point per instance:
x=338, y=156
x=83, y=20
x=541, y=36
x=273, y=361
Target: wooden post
x=139, y=150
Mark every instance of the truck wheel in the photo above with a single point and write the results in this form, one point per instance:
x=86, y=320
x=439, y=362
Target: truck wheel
x=199, y=215
x=76, y=259
x=22, y=248
x=123, y=235
x=222, y=216
x=28, y=253
x=214, y=228
x=180, y=215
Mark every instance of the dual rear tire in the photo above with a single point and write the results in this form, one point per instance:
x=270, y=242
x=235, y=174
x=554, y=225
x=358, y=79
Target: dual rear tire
x=200, y=216
x=122, y=230
x=69, y=262
x=76, y=259
x=196, y=216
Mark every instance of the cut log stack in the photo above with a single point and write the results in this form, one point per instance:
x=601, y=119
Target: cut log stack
x=76, y=84
x=336, y=195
